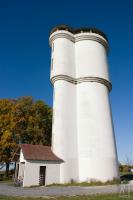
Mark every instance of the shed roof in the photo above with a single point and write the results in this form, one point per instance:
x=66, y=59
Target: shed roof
x=39, y=152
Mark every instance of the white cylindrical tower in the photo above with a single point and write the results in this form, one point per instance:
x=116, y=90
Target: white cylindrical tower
x=82, y=131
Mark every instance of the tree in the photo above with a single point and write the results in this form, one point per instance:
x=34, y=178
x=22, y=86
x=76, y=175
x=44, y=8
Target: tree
x=6, y=140
x=40, y=123
x=32, y=121
x=120, y=167
x=21, y=112
x=7, y=146
x=23, y=121
x=129, y=163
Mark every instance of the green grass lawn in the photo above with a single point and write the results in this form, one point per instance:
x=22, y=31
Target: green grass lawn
x=88, y=197
x=86, y=184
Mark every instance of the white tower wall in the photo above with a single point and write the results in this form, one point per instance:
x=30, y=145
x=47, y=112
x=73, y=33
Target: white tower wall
x=82, y=131
x=97, y=152
x=96, y=144
x=63, y=53
x=91, y=60
x=64, y=142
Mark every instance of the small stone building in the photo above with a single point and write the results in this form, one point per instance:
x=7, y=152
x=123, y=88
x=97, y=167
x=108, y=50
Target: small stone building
x=37, y=165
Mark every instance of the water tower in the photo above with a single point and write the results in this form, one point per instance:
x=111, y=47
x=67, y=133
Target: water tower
x=82, y=129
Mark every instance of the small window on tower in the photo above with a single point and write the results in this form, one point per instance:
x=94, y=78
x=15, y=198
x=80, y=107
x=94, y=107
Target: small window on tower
x=53, y=47
x=52, y=64
x=52, y=56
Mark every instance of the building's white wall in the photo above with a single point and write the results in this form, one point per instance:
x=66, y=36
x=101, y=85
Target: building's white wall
x=64, y=130
x=22, y=159
x=90, y=59
x=96, y=144
x=32, y=170
x=21, y=170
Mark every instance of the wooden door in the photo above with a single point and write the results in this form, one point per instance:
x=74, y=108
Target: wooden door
x=42, y=175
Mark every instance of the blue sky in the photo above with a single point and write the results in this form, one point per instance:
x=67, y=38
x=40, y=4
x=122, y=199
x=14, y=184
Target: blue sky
x=25, y=51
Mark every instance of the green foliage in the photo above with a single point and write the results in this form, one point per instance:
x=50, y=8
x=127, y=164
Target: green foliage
x=125, y=168
x=23, y=121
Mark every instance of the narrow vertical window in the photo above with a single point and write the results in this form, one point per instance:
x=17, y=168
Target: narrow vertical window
x=52, y=56
x=51, y=63
x=53, y=47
